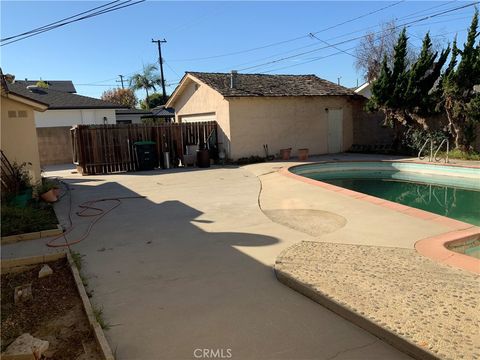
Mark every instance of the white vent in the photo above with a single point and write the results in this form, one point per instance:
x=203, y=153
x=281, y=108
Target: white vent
x=22, y=114
x=12, y=114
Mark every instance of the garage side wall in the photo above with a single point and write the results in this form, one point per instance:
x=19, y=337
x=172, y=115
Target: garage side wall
x=199, y=99
x=284, y=122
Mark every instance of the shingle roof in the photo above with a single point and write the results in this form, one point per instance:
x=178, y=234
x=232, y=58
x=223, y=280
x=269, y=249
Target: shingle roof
x=271, y=85
x=59, y=85
x=132, y=111
x=57, y=100
x=161, y=111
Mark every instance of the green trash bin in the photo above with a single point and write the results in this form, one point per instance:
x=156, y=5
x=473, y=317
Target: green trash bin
x=146, y=155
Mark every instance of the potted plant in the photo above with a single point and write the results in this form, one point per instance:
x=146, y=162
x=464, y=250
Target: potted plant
x=285, y=153
x=23, y=184
x=302, y=154
x=46, y=190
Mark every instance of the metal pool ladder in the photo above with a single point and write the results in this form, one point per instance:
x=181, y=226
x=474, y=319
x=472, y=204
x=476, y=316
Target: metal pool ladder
x=438, y=149
x=433, y=156
x=429, y=140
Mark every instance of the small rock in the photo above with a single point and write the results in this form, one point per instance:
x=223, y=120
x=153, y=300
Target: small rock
x=26, y=347
x=22, y=294
x=45, y=271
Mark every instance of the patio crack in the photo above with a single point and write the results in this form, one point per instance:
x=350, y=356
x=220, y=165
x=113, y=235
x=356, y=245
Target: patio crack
x=351, y=349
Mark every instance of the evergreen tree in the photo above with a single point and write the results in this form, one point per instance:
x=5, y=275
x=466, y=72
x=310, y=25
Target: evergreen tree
x=406, y=94
x=460, y=99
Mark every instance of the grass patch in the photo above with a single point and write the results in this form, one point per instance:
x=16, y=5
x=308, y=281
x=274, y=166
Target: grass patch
x=98, y=314
x=32, y=218
x=77, y=259
x=461, y=155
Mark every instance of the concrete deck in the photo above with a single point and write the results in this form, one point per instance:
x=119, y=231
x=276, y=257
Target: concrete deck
x=190, y=267
x=423, y=307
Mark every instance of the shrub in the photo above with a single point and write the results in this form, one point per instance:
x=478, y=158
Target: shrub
x=250, y=160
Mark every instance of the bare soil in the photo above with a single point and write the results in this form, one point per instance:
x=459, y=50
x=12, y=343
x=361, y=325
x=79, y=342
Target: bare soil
x=55, y=314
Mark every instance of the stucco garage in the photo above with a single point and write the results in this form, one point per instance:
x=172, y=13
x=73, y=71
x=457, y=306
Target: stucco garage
x=283, y=111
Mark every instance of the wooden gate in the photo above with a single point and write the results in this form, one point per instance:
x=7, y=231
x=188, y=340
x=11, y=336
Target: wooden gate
x=105, y=149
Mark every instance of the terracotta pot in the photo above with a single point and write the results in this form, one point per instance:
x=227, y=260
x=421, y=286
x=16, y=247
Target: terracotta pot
x=49, y=196
x=302, y=154
x=285, y=153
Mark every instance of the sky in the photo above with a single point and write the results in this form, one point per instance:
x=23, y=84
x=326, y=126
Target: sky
x=252, y=37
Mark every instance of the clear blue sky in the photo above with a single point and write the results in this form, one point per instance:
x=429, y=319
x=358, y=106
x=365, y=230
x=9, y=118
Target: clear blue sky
x=96, y=50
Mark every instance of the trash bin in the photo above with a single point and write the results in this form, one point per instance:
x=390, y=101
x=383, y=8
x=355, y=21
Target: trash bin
x=203, y=158
x=146, y=155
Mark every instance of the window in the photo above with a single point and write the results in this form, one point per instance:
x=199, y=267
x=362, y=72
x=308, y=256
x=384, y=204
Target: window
x=124, y=121
x=12, y=114
x=22, y=113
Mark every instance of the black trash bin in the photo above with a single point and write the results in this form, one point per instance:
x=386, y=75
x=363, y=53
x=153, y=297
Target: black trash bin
x=146, y=155
x=203, y=158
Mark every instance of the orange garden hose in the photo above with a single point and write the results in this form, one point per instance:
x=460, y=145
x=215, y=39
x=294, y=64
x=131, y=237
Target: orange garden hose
x=86, y=210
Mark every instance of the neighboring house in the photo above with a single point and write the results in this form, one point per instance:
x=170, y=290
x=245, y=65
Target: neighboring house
x=65, y=109
x=364, y=90
x=58, y=85
x=283, y=111
x=18, y=132
x=161, y=113
x=131, y=116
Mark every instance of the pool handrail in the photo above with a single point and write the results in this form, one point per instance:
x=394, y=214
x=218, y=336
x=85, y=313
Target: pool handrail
x=438, y=149
x=429, y=140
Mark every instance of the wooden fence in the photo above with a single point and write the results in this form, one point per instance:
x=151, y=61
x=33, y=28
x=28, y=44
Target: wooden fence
x=104, y=149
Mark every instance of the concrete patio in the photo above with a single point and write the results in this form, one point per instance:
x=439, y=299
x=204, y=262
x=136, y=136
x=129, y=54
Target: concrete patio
x=191, y=265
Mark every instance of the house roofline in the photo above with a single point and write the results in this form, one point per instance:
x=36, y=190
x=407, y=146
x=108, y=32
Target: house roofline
x=25, y=100
x=181, y=85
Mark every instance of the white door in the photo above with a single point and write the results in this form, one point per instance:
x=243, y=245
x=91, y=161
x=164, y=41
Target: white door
x=335, y=130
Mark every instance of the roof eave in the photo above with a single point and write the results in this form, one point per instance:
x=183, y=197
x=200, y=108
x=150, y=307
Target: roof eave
x=37, y=105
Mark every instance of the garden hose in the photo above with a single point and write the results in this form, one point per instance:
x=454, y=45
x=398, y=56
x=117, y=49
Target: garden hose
x=86, y=210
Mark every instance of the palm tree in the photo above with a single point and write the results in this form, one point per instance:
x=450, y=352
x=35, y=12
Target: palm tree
x=147, y=79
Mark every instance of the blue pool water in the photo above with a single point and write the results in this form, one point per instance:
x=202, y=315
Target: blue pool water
x=427, y=187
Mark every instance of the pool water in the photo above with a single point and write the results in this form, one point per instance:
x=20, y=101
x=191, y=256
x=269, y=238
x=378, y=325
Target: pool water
x=470, y=247
x=447, y=200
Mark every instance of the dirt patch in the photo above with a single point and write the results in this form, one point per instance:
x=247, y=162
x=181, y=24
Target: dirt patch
x=55, y=314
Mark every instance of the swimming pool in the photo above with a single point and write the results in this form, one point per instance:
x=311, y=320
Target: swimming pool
x=449, y=191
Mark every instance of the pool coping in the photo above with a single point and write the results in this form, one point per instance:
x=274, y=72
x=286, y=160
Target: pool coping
x=434, y=247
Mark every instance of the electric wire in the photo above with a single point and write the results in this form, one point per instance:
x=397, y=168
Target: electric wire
x=101, y=12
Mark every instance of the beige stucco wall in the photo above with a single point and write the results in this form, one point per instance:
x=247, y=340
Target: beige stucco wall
x=19, y=136
x=198, y=99
x=284, y=122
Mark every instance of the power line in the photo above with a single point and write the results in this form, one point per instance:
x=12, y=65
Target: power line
x=340, y=52
x=408, y=24
x=58, y=21
x=292, y=39
x=52, y=27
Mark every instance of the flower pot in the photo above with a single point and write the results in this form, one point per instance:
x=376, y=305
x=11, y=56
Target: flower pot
x=285, y=153
x=49, y=196
x=23, y=198
x=56, y=191
x=302, y=154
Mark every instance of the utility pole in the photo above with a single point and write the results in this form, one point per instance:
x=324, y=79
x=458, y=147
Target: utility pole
x=160, y=61
x=121, y=80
